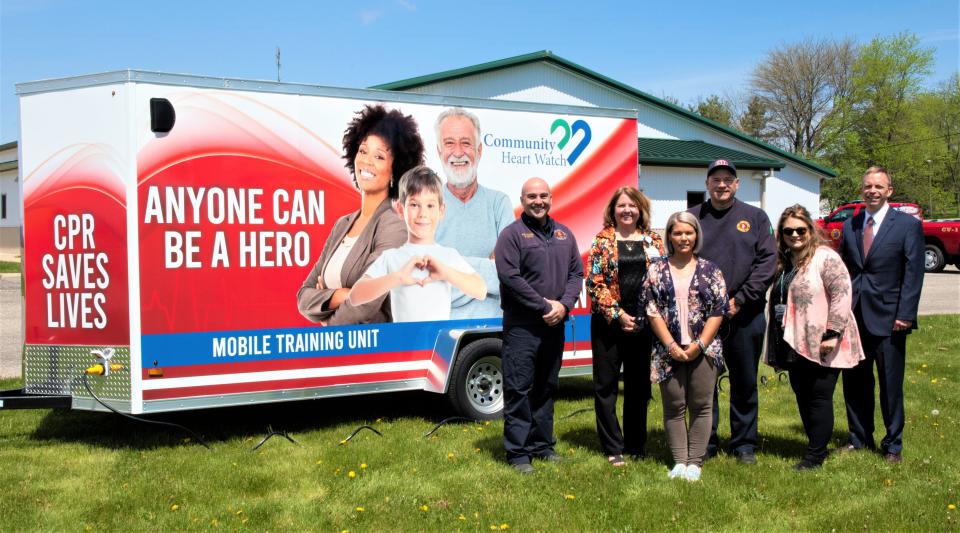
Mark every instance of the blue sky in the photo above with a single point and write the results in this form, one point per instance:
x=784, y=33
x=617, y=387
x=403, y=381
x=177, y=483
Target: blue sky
x=682, y=49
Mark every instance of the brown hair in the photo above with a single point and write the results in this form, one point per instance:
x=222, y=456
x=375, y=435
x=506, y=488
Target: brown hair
x=643, y=204
x=784, y=255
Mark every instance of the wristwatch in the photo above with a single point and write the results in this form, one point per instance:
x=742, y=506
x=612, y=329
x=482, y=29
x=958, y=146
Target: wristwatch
x=703, y=349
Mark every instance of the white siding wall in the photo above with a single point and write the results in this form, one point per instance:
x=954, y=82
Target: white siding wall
x=547, y=83
x=667, y=189
x=11, y=189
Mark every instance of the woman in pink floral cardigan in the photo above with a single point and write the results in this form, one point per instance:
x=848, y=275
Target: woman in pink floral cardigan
x=812, y=332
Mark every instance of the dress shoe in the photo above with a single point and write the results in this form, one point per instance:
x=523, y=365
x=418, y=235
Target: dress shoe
x=892, y=458
x=806, y=464
x=523, y=468
x=747, y=458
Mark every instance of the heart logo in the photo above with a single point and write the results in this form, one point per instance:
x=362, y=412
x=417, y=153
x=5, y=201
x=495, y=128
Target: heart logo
x=569, y=132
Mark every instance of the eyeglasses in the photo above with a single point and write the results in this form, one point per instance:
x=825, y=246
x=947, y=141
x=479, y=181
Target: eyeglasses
x=790, y=231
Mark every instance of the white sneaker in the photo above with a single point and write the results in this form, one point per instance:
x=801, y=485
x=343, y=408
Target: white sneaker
x=692, y=473
x=678, y=471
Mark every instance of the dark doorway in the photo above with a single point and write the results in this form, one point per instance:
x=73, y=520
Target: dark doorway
x=695, y=198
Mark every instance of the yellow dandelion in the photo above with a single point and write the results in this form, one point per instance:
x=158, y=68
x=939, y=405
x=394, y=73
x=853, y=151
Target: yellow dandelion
x=351, y=474
x=424, y=507
x=493, y=527
x=924, y=365
x=504, y=526
x=461, y=517
x=344, y=531
x=487, y=423
x=363, y=466
x=319, y=461
x=359, y=509
x=934, y=381
x=569, y=497
x=888, y=482
x=243, y=521
x=174, y=507
x=951, y=507
x=450, y=455
x=477, y=450
x=337, y=471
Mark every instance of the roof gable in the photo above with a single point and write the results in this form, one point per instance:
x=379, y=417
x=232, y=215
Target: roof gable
x=549, y=57
x=672, y=152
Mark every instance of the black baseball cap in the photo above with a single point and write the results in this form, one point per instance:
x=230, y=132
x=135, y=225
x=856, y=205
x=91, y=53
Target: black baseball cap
x=721, y=163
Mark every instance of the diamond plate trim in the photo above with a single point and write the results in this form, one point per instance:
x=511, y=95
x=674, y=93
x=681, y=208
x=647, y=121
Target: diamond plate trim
x=59, y=369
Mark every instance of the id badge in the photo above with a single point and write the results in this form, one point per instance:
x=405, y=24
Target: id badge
x=779, y=310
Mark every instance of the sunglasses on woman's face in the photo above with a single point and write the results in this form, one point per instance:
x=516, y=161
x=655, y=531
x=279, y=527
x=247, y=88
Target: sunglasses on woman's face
x=790, y=231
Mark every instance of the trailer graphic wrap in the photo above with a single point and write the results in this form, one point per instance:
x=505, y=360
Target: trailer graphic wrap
x=75, y=252
x=181, y=220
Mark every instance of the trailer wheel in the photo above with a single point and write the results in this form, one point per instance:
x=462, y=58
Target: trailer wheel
x=933, y=260
x=476, y=389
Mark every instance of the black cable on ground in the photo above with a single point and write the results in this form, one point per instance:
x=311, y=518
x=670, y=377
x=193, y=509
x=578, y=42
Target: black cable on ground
x=352, y=435
x=575, y=413
x=445, y=420
x=271, y=433
x=144, y=420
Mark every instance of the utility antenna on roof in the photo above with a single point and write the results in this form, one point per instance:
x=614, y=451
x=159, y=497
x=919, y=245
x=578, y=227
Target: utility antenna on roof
x=277, y=55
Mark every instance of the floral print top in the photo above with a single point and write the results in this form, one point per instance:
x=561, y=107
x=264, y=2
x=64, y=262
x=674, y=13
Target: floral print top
x=707, y=298
x=603, y=284
x=819, y=299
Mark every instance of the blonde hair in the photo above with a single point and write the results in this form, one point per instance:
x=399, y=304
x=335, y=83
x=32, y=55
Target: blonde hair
x=687, y=218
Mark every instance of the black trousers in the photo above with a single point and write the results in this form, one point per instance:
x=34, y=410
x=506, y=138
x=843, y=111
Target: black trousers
x=531, y=373
x=889, y=353
x=813, y=385
x=613, y=347
x=742, y=338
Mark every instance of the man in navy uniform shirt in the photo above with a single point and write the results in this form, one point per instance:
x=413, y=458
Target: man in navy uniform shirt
x=541, y=275
x=738, y=237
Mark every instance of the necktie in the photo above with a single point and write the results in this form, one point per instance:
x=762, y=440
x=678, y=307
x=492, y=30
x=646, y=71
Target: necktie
x=868, y=237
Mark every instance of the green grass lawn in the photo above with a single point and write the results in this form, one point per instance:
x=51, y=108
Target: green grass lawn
x=80, y=471
x=9, y=266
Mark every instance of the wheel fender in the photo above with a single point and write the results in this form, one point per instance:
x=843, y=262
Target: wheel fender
x=448, y=345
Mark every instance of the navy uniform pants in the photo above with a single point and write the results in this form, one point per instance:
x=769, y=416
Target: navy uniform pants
x=531, y=374
x=742, y=339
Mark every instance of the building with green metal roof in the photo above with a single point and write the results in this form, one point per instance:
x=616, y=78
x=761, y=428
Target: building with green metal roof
x=675, y=145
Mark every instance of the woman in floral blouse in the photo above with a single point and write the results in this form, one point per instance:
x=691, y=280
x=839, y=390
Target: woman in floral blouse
x=812, y=331
x=686, y=299
x=619, y=334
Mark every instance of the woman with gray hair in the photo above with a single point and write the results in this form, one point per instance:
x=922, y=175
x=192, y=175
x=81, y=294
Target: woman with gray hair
x=685, y=299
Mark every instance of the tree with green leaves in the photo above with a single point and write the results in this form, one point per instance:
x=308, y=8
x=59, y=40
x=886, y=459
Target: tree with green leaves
x=714, y=108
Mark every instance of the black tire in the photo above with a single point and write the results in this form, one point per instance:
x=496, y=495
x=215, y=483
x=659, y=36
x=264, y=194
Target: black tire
x=933, y=260
x=476, y=383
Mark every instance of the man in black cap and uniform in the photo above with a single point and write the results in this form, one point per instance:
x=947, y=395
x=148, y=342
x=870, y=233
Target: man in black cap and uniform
x=738, y=237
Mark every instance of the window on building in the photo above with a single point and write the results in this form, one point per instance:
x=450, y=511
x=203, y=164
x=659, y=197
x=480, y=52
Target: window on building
x=3, y=206
x=695, y=198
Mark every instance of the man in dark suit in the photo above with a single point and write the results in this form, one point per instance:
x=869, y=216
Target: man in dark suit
x=883, y=250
